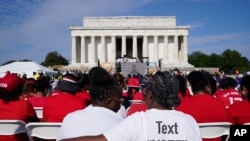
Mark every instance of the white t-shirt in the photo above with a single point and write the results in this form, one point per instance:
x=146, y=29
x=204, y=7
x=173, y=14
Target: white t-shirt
x=156, y=125
x=90, y=121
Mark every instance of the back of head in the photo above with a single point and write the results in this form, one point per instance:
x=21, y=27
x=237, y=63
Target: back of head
x=119, y=77
x=227, y=83
x=41, y=84
x=164, y=87
x=102, y=85
x=198, y=81
x=69, y=84
x=10, y=87
x=182, y=84
x=246, y=83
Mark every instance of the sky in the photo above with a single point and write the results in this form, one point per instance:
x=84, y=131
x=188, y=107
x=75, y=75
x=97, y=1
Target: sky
x=30, y=29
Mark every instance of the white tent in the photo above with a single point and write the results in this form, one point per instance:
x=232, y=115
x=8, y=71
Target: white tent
x=25, y=67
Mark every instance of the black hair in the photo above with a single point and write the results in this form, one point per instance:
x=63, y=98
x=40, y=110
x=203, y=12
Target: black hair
x=198, y=81
x=84, y=80
x=228, y=82
x=164, y=87
x=182, y=84
x=212, y=81
x=41, y=84
x=246, y=83
x=102, y=85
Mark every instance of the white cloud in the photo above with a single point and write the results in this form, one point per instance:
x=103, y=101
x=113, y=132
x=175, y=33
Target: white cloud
x=44, y=25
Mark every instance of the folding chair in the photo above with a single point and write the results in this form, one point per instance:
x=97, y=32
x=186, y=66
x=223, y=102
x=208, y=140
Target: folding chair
x=247, y=123
x=43, y=130
x=12, y=127
x=215, y=129
x=39, y=112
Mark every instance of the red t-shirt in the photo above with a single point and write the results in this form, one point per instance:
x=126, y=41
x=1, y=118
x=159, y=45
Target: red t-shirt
x=228, y=97
x=239, y=113
x=204, y=108
x=17, y=110
x=85, y=96
x=136, y=107
x=56, y=107
x=37, y=101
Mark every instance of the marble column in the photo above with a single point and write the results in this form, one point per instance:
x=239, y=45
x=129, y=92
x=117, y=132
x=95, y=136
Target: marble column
x=176, y=49
x=166, y=50
x=103, y=50
x=113, y=52
x=92, y=50
x=134, y=47
x=83, y=50
x=145, y=46
x=73, y=47
x=124, y=51
x=185, y=52
x=156, y=51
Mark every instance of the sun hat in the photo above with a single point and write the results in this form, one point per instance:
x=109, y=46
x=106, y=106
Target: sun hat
x=69, y=84
x=10, y=82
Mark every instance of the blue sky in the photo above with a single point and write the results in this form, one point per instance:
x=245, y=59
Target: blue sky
x=30, y=29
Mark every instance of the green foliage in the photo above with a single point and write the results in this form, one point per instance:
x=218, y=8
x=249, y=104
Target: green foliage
x=228, y=61
x=54, y=58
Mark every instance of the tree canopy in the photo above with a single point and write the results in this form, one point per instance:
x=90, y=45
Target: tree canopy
x=54, y=58
x=229, y=61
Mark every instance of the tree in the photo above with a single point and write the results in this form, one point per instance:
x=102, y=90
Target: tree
x=199, y=59
x=229, y=61
x=54, y=58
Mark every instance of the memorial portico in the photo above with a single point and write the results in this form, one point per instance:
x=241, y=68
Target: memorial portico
x=105, y=39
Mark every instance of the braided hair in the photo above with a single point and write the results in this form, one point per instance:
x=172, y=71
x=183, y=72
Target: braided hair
x=164, y=87
x=102, y=85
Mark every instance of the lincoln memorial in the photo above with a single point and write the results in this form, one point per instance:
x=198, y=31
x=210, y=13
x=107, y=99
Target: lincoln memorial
x=156, y=40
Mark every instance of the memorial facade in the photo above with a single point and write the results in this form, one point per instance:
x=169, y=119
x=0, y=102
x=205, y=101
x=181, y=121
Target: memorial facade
x=155, y=39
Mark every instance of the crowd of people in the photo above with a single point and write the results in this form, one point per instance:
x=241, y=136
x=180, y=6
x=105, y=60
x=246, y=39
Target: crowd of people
x=102, y=105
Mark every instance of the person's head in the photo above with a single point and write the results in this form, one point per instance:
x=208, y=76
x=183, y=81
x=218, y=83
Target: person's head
x=41, y=85
x=133, y=86
x=199, y=82
x=162, y=91
x=84, y=82
x=245, y=87
x=182, y=84
x=212, y=81
x=108, y=67
x=104, y=90
x=228, y=83
x=10, y=87
x=119, y=78
x=69, y=84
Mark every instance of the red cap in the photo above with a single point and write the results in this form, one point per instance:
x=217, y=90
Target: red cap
x=10, y=82
x=133, y=82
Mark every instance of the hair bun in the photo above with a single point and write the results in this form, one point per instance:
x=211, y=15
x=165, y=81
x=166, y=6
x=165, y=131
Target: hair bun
x=99, y=76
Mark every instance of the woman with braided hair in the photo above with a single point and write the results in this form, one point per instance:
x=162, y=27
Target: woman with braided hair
x=101, y=115
x=160, y=122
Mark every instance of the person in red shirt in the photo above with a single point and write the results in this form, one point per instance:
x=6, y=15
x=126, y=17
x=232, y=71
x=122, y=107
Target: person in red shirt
x=227, y=93
x=12, y=107
x=202, y=105
x=239, y=113
x=57, y=106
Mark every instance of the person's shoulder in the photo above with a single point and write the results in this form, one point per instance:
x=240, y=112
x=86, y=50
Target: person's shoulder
x=240, y=104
